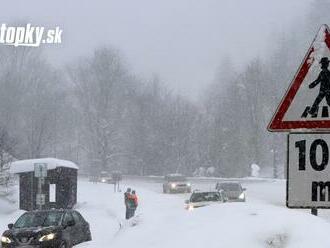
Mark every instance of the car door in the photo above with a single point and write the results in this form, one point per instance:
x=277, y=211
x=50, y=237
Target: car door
x=81, y=227
x=69, y=231
x=223, y=195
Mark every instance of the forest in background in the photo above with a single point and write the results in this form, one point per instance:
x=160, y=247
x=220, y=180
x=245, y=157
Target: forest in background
x=97, y=113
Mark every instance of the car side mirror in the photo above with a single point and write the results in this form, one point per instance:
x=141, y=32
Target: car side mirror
x=10, y=226
x=244, y=189
x=71, y=223
x=186, y=201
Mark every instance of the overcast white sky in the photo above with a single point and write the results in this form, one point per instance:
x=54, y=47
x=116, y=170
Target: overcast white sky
x=181, y=40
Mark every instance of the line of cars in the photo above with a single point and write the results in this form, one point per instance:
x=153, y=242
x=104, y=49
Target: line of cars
x=223, y=192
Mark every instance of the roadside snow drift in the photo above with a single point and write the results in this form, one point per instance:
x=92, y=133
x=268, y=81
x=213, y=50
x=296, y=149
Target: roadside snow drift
x=163, y=222
x=229, y=225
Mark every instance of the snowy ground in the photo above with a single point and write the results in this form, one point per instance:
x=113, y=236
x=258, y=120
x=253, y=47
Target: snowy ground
x=263, y=221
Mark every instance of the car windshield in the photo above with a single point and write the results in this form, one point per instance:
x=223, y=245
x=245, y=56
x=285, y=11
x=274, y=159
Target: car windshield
x=205, y=196
x=176, y=178
x=35, y=219
x=230, y=187
x=104, y=174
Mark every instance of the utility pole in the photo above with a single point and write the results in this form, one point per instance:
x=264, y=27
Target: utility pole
x=40, y=172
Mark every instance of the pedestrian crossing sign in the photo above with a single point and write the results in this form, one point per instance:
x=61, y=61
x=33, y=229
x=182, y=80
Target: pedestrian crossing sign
x=306, y=104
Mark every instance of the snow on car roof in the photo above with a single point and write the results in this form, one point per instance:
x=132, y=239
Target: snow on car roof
x=21, y=166
x=205, y=191
x=175, y=175
x=230, y=182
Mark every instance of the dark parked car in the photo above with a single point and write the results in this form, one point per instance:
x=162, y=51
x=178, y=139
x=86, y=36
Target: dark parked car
x=47, y=228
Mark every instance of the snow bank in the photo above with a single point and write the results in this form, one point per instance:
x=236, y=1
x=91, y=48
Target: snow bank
x=230, y=225
x=28, y=165
x=9, y=209
x=255, y=169
x=6, y=206
x=164, y=223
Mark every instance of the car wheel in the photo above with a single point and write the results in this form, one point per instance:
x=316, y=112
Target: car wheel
x=64, y=245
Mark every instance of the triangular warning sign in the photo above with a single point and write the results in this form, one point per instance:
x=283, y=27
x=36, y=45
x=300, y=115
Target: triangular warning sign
x=306, y=104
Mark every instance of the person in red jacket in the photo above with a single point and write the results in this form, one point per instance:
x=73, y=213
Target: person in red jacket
x=133, y=203
x=135, y=198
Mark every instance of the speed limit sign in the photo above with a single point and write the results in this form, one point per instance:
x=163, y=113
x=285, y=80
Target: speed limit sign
x=308, y=171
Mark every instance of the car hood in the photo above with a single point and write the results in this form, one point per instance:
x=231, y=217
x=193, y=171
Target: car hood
x=233, y=194
x=30, y=231
x=203, y=203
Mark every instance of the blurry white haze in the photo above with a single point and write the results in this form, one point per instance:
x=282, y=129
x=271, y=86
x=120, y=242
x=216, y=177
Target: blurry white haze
x=151, y=88
x=182, y=41
x=154, y=87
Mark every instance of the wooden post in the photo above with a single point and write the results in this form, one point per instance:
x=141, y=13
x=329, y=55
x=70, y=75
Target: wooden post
x=314, y=211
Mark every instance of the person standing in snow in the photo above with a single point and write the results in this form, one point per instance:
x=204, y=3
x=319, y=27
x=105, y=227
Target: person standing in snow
x=133, y=203
x=127, y=196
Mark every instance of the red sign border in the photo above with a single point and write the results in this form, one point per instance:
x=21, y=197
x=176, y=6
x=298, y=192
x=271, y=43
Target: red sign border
x=277, y=124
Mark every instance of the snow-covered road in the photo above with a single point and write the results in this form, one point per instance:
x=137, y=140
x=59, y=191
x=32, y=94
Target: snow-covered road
x=263, y=221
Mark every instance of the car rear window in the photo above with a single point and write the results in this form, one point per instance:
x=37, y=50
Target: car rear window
x=176, y=178
x=230, y=186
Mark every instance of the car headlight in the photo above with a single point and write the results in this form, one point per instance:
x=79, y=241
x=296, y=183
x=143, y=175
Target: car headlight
x=47, y=237
x=173, y=185
x=5, y=239
x=190, y=207
x=188, y=184
x=103, y=180
x=242, y=196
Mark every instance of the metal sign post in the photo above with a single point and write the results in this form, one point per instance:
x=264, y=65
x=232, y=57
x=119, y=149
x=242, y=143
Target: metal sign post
x=40, y=172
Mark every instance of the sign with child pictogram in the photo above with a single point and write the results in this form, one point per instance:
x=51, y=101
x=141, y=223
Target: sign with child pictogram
x=306, y=104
